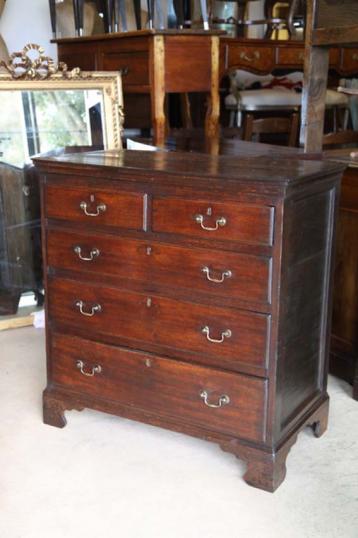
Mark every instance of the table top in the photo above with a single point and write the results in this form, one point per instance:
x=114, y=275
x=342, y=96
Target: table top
x=140, y=33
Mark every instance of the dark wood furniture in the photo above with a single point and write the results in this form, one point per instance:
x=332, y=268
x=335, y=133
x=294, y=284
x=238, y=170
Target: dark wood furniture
x=20, y=245
x=191, y=292
x=344, y=341
x=156, y=62
x=264, y=56
x=334, y=23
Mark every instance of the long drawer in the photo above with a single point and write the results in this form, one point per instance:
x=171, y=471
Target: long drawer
x=95, y=206
x=246, y=223
x=217, y=273
x=228, y=403
x=217, y=336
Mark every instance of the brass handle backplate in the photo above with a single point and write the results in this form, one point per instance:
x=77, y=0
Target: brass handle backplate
x=255, y=56
x=94, y=370
x=220, y=222
x=223, y=400
x=224, y=274
x=225, y=334
x=94, y=253
x=96, y=308
x=101, y=208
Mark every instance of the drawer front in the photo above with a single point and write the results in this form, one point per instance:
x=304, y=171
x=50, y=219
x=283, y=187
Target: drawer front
x=255, y=57
x=224, y=337
x=162, y=386
x=291, y=56
x=350, y=60
x=134, y=64
x=217, y=273
x=95, y=207
x=246, y=223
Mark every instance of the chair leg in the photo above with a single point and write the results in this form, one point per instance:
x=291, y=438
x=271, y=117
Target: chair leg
x=248, y=127
x=293, y=135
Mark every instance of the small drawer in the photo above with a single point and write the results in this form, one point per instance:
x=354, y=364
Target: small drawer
x=245, y=223
x=349, y=60
x=291, y=56
x=95, y=207
x=211, y=272
x=229, y=403
x=134, y=64
x=224, y=337
x=260, y=58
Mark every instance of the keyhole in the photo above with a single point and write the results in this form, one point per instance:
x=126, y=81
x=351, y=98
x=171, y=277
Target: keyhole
x=149, y=251
x=92, y=197
x=149, y=302
x=209, y=211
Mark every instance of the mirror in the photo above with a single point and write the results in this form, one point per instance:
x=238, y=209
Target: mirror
x=44, y=109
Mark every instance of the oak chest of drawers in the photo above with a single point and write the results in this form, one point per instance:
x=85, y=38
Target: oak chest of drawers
x=191, y=292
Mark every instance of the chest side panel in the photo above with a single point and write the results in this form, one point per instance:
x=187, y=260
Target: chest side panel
x=304, y=308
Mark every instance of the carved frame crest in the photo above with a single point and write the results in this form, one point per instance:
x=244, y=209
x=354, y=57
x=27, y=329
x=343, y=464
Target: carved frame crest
x=40, y=72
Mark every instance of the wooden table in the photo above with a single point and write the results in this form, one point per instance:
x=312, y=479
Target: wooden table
x=157, y=63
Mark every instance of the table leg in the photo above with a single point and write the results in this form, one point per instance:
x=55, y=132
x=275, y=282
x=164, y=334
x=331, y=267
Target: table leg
x=158, y=91
x=213, y=110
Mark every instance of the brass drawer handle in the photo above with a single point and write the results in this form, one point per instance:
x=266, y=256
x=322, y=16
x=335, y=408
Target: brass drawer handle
x=225, y=334
x=221, y=221
x=223, y=400
x=224, y=274
x=95, y=369
x=96, y=308
x=255, y=56
x=101, y=208
x=92, y=255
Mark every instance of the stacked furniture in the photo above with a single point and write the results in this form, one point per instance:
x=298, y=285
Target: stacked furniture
x=191, y=292
x=329, y=24
x=20, y=244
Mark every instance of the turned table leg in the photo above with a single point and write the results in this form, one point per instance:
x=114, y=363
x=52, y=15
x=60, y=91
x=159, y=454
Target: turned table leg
x=213, y=110
x=158, y=91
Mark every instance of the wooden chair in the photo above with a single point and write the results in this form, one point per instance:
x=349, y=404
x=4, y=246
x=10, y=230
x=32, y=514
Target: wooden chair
x=272, y=125
x=330, y=23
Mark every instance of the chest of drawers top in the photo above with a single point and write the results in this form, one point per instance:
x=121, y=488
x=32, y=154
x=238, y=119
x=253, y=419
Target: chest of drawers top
x=208, y=172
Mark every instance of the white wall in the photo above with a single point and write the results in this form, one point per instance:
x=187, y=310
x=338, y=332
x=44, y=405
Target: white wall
x=27, y=21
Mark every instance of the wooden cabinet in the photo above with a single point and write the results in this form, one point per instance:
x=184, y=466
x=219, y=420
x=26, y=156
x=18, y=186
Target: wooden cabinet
x=344, y=343
x=264, y=56
x=192, y=293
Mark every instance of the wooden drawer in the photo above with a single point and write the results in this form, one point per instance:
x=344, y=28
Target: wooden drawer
x=133, y=63
x=349, y=60
x=217, y=273
x=162, y=386
x=258, y=58
x=291, y=56
x=246, y=223
x=144, y=321
x=123, y=210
